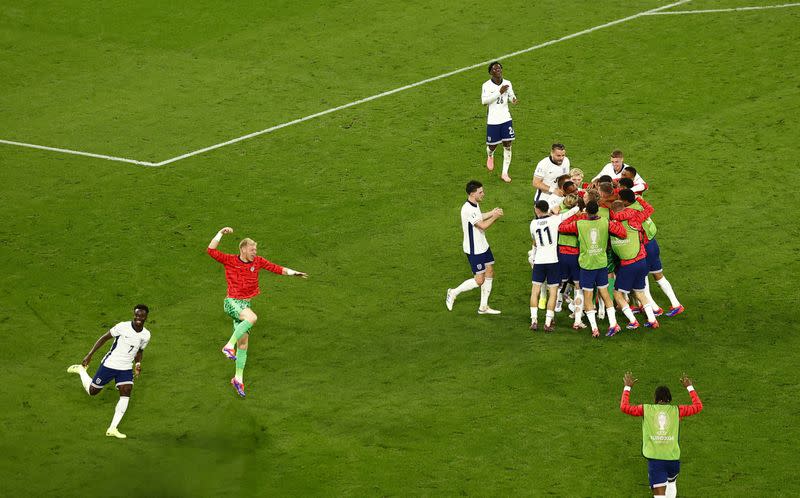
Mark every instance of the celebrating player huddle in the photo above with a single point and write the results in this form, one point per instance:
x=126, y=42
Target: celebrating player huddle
x=585, y=236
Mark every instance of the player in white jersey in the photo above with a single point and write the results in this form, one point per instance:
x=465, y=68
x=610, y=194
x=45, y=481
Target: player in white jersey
x=473, y=224
x=616, y=170
x=130, y=339
x=547, y=172
x=543, y=257
x=496, y=94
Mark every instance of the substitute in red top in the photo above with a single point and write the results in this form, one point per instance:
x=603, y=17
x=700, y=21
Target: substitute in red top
x=661, y=432
x=241, y=273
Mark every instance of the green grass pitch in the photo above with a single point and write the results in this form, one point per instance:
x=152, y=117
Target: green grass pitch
x=360, y=383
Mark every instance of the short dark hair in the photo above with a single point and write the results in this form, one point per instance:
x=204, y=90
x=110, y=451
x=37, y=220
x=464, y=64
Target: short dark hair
x=592, y=207
x=663, y=394
x=473, y=185
x=561, y=179
x=627, y=195
x=605, y=179
x=606, y=188
x=491, y=65
x=558, y=146
x=142, y=307
x=542, y=206
x=630, y=169
x=567, y=184
x=626, y=182
x=617, y=153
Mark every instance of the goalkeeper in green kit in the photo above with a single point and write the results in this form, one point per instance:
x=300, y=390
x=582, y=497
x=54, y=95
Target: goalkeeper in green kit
x=241, y=273
x=660, y=432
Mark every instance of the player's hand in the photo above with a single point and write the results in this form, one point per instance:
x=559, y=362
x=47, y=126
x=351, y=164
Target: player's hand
x=685, y=380
x=226, y=230
x=137, y=369
x=498, y=212
x=301, y=274
x=86, y=360
x=629, y=380
x=503, y=89
x=514, y=100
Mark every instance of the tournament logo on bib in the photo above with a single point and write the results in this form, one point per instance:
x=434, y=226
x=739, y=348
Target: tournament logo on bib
x=593, y=235
x=662, y=422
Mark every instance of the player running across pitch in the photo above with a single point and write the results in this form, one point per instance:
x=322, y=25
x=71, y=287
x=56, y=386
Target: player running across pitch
x=130, y=339
x=241, y=273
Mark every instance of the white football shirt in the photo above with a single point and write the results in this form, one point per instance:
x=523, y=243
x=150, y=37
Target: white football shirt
x=608, y=169
x=498, y=112
x=474, y=238
x=544, y=232
x=549, y=172
x=127, y=342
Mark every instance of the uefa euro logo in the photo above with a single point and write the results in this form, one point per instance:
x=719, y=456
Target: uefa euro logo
x=662, y=422
x=593, y=235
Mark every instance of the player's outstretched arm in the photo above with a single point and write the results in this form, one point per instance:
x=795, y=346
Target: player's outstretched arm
x=696, y=406
x=624, y=403
x=294, y=273
x=97, y=345
x=215, y=241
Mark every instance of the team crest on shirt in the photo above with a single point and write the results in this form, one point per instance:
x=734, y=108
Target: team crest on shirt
x=252, y=268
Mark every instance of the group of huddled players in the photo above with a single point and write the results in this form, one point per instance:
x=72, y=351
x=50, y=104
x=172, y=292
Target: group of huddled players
x=586, y=235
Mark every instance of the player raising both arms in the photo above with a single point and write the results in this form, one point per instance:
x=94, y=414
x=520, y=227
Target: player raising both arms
x=496, y=93
x=241, y=273
x=660, y=432
x=130, y=339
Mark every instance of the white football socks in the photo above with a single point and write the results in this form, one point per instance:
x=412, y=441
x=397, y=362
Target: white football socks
x=466, y=285
x=85, y=379
x=119, y=411
x=667, y=288
x=628, y=314
x=578, y=302
x=648, y=295
x=590, y=314
x=648, y=310
x=506, y=159
x=486, y=289
x=612, y=316
x=534, y=314
x=672, y=489
x=548, y=317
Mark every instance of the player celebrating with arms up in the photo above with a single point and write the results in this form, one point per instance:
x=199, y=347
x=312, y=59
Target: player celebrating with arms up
x=130, y=339
x=496, y=93
x=241, y=273
x=660, y=432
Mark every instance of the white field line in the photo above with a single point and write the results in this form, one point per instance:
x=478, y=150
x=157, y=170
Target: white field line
x=733, y=9
x=78, y=153
x=413, y=85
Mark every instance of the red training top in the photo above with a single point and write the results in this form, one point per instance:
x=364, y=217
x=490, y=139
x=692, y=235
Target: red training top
x=242, y=277
x=634, y=217
x=683, y=410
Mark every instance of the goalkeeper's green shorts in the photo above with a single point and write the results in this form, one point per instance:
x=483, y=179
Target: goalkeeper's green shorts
x=234, y=307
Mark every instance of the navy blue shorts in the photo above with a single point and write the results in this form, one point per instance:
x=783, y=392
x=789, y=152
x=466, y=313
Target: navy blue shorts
x=661, y=471
x=632, y=276
x=568, y=264
x=653, y=256
x=546, y=272
x=105, y=374
x=594, y=278
x=499, y=133
x=479, y=262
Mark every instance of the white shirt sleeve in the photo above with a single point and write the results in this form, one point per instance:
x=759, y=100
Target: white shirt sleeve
x=574, y=210
x=539, y=171
x=115, y=330
x=474, y=217
x=510, y=92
